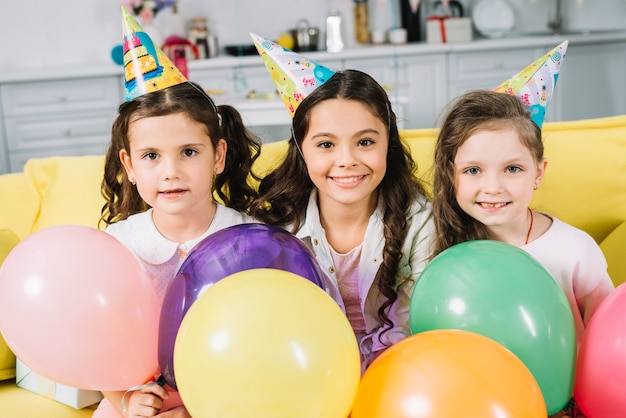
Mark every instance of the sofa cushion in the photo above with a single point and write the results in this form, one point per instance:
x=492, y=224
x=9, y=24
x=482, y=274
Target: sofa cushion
x=8, y=240
x=585, y=162
x=69, y=190
x=20, y=204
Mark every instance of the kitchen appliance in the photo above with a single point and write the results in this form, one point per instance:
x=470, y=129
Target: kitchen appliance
x=410, y=11
x=305, y=36
x=453, y=8
x=178, y=50
x=241, y=49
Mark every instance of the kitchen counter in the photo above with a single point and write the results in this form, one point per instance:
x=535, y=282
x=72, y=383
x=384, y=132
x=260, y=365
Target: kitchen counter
x=359, y=52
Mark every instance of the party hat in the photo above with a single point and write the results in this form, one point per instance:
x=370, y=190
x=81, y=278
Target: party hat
x=535, y=83
x=146, y=67
x=294, y=75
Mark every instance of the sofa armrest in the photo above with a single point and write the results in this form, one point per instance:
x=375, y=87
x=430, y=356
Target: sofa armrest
x=20, y=204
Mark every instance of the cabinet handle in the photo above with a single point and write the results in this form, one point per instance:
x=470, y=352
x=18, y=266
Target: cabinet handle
x=67, y=132
x=62, y=97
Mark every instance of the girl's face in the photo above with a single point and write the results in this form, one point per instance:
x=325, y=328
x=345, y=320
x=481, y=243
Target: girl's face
x=173, y=162
x=495, y=176
x=345, y=150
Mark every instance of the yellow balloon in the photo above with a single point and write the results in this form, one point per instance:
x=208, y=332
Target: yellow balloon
x=266, y=343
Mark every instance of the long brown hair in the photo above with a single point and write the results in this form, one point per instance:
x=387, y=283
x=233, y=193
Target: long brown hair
x=230, y=186
x=285, y=192
x=474, y=111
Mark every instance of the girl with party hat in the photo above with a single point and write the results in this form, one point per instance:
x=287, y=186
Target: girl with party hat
x=347, y=188
x=173, y=155
x=488, y=162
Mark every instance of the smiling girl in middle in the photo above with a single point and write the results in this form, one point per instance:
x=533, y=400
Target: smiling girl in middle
x=348, y=189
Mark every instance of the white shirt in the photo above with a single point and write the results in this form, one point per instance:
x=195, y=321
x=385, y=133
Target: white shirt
x=160, y=256
x=416, y=250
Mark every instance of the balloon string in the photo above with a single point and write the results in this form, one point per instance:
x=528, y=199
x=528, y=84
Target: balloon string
x=160, y=381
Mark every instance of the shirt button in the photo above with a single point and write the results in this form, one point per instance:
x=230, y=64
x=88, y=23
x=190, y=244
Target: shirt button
x=315, y=242
x=182, y=254
x=331, y=269
x=375, y=260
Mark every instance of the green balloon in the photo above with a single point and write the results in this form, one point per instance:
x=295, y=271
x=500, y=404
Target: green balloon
x=500, y=291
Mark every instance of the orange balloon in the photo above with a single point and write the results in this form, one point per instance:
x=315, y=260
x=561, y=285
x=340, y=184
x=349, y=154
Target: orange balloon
x=448, y=373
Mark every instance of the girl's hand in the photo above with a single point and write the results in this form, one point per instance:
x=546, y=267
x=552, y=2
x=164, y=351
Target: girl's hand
x=146, y=402
x=178, y=412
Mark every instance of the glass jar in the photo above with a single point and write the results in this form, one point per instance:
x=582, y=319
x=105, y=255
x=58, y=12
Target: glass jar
x=199, y=35
x=361, y=22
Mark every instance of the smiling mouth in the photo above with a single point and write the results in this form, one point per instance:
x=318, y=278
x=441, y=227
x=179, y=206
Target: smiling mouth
x=492, y=205
x=347, y=180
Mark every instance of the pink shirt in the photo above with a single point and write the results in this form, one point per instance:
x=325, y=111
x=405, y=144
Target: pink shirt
x=347, y=270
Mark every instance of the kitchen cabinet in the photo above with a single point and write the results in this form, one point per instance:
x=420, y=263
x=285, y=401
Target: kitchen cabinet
x=245, y=84
x=70, y=112
x=415, y=84
x=58, y=117
x=470, y=70
x=4, y=153
x=592, y=83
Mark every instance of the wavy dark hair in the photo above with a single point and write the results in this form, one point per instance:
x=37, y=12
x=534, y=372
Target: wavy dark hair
x=476, y=110
x=230, y=186
x=284, y=193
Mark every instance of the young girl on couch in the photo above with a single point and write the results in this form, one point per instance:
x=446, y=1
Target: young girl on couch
x=488, y=161
x=172, y=151
x=347, y=188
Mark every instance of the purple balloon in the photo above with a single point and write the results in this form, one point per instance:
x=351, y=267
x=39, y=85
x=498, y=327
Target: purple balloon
x=229, y=251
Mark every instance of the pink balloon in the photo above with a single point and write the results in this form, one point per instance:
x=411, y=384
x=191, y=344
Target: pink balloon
x=77, y=307
x=600, y=388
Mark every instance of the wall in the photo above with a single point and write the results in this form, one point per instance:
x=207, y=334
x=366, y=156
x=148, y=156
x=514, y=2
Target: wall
x=39, y=34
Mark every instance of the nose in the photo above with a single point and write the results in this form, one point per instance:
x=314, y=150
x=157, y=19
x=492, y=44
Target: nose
x=492, y=183
x=346, y=156
x=169, y=168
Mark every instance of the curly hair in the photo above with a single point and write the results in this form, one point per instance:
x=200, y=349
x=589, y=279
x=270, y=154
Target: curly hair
x=284, y=193
x=474, y=111
x=231, y=186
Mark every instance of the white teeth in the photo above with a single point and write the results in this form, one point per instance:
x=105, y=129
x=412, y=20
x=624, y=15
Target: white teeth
x=346, y=180
x=493, y=205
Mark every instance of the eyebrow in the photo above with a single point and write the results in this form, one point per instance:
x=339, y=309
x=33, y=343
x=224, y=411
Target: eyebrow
x=359, y=133
x=184, y=146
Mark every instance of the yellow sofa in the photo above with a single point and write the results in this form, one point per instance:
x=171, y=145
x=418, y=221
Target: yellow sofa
x=585, y=185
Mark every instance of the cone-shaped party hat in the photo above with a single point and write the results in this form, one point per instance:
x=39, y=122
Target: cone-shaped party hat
x=535, y=83
x=146, y=67
x=294, y=75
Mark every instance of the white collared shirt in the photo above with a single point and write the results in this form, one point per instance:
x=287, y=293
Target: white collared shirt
x=160, y=256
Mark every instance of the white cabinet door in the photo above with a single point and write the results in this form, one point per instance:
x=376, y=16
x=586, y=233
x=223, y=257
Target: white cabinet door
x=416, y=85
x=4, y=151
x=471, y=70
x=592, y=82
x=57, y=117
x=427, y=89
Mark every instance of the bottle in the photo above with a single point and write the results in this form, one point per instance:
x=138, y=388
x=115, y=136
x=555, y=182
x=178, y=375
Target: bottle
x=361, y=22
x=411, y=19
x=334, y=39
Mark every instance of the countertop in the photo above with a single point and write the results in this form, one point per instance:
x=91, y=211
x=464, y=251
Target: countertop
x=366, y=51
